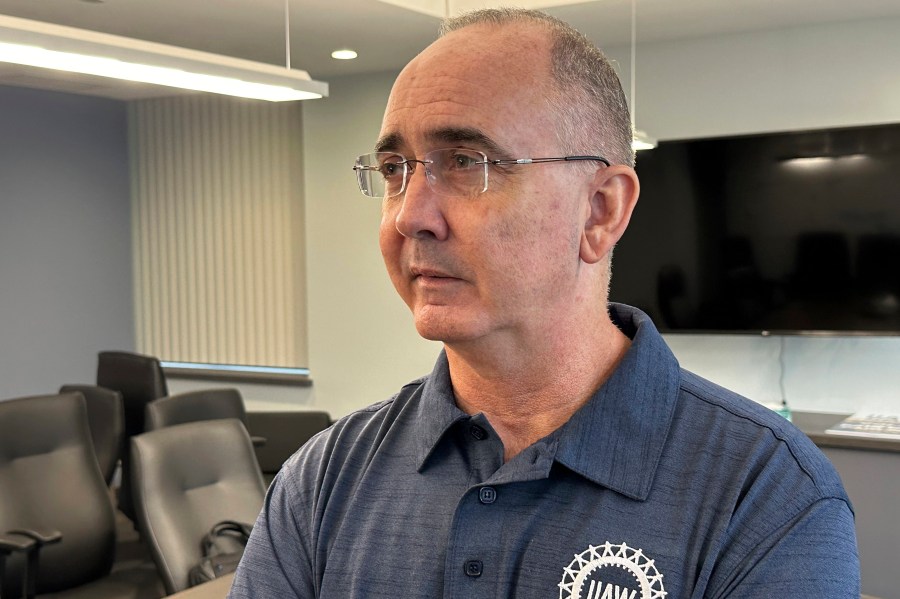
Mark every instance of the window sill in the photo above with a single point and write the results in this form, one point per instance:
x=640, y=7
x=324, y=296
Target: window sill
x=267, y=375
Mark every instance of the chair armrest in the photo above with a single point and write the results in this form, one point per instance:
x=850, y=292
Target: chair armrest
x=41, y=536
x=30, y=541
x=11, y=542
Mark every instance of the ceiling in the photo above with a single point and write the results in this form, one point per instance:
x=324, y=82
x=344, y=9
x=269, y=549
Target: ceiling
x=385, y=36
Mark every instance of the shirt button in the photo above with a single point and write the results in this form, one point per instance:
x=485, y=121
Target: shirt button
x=478, y=433
x=474, y=567
x=487, y=495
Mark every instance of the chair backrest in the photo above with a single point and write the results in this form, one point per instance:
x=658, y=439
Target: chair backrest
x=106, y=421
x=50, y=480
x=205, y=404
x=185, y=479
x=284, y=432
x=140, y=380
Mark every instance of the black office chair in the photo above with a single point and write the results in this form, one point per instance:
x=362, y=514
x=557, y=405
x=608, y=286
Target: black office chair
x=106, y=420
x=186, y=478
x=140, y=380
x=51, y=485
x=192, y=406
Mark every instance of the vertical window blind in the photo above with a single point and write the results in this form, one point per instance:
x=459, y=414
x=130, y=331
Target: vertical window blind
x=217, y=220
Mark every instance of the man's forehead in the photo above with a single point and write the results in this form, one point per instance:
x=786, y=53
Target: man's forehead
x=462, y=89
x=491, y=50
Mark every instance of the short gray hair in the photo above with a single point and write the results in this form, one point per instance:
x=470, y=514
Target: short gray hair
x=588, y=94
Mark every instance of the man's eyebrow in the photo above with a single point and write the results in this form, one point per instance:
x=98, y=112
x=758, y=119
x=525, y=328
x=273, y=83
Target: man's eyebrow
x=389, y=143
x=453, y=136
x=468, y=136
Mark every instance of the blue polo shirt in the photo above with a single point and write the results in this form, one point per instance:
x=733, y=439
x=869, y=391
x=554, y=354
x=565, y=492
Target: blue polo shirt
x=662, y=485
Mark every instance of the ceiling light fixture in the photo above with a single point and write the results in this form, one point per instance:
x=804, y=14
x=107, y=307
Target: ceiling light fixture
x=38, y=44
x=640, y=139
x=345, y=54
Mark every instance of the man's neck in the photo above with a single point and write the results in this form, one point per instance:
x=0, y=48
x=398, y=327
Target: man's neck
x=529, y=390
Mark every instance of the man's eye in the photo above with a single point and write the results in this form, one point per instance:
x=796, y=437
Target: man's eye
x=461, y=160
x=391, y=169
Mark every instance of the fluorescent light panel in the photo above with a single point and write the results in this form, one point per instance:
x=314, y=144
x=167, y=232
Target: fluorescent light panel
x=38, y=44
x=446, y=8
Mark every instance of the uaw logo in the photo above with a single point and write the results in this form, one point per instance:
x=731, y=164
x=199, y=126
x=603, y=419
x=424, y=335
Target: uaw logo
x=611, y=572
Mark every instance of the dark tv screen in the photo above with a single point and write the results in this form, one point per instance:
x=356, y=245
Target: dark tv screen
x=783, y=232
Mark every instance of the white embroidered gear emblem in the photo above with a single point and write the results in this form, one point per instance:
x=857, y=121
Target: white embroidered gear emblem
x=594, y=559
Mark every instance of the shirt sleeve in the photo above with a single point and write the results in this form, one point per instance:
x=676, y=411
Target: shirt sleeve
x=277, y=560
x=812, y=556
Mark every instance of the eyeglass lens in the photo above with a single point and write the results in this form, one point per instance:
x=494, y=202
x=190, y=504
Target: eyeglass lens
x=450, y=171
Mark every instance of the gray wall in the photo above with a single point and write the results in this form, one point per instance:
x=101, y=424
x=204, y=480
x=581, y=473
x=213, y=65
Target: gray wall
x=363, y=345
x=65, y=240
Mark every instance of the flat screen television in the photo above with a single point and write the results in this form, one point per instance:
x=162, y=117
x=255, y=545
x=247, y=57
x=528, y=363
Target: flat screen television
x=783, y=232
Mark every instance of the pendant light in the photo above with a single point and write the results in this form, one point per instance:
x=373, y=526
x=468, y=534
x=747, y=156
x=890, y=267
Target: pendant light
x=640, y=139
x=46, y=45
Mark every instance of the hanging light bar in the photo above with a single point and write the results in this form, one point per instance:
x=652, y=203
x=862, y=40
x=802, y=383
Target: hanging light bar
x=642, y=141
x=39, y=44
x=639, y=140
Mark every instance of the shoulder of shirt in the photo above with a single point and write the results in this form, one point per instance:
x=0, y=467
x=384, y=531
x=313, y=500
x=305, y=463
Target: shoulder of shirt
x=349, y=428
x=382, y=406
x=355, y=433
x=750, y=415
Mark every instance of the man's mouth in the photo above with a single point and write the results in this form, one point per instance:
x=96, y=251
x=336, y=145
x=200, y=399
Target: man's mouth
x=430, y=273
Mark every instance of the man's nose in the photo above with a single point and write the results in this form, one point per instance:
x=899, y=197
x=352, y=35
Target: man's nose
x=421, y=214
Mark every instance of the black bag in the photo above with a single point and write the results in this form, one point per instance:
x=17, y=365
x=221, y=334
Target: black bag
x=222, y=549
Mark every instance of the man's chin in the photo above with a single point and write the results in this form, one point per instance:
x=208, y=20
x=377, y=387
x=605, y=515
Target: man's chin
x=436, y=333
x=444, y=328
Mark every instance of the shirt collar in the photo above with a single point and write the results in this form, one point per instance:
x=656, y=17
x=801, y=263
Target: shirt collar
x=437, y=410
x=616, y=438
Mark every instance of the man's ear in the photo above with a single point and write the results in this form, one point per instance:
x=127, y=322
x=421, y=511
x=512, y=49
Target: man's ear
x=614, y=193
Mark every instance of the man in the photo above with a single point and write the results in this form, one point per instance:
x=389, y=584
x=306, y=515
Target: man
x=556, y=450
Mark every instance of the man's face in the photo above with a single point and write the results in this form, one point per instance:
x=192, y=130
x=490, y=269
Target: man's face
x=504, y=262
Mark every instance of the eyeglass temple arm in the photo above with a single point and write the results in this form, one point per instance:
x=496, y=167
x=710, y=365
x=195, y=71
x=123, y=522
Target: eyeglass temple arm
x=560, y=159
